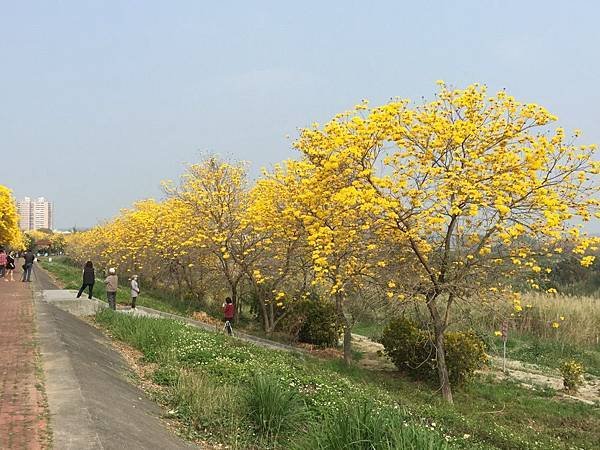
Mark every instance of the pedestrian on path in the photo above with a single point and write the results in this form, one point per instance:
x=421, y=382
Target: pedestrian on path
x=89, y=278
x=2, y=262
x=135, y=290
x=28, y=265
x=10, y=267
x=112, y=283
x=228, y=314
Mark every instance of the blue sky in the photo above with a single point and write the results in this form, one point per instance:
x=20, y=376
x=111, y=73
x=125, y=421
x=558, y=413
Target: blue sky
x=103, y=99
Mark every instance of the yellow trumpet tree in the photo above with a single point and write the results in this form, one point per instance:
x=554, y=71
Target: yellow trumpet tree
x=215, y=193
x=470, y=185
x=10, y=234
x=329, y=217
x=273, y=267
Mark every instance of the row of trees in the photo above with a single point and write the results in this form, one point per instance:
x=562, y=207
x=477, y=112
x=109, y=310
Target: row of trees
x=441, y=203
x=10, y=233
x=44, y=240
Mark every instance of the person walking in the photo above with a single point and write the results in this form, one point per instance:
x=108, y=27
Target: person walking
x=112, y=283
x=228, y=314
x=29, y=258
x=89, y=278
x=135, y=290
x=2, y=262
x=10, y=267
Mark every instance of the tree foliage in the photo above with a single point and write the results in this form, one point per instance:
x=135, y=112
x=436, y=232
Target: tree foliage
x=10, y=233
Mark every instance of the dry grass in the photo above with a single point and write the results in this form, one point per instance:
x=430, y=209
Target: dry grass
x=578, y=318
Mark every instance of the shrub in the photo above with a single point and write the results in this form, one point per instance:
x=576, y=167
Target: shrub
x=572, y=372
x=465, y=354
x=314, y=321
x=272, y=408
x=408, y=347
x=320, y=326
x=411, y=350
x=364, y=426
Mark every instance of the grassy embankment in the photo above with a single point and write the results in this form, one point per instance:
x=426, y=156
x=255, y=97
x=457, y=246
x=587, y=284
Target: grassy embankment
x=226, y=391
x=211, y=385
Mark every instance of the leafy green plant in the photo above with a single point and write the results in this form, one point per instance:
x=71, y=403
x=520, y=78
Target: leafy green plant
x=273, y=408
x=363, y=426
x=572, y=372
x=166, y=375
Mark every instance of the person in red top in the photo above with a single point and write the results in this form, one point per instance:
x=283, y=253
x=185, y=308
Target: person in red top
x=228, y=313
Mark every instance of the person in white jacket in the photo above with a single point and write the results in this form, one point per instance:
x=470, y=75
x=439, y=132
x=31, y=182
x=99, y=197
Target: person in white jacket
x=135, y=290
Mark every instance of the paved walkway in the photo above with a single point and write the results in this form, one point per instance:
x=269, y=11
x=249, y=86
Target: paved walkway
x=94, y=403
x=23, y=416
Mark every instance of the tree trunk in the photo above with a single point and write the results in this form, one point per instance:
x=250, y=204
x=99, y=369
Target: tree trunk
x=347, y=341
x=339, y=303
x=440, y=350
x=233, y=286
x=442, y=367
x=264, y=312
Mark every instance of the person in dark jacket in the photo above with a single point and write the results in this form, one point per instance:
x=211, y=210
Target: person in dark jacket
x=10, y=267
x=89, y=278
x=29, y=258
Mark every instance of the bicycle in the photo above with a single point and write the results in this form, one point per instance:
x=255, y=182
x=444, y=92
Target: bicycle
x=228, y=328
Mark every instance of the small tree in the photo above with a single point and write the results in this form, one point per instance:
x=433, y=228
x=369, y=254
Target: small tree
x=466, y=183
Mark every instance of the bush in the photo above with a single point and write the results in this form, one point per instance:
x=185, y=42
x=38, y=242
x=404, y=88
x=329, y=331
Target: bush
x=314, y=321
x=272, y=408
x=465, y=354
x=572, y=372
x=411, y=350
x=364, y=426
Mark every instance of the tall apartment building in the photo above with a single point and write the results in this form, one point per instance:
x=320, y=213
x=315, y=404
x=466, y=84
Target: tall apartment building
x=36, y=213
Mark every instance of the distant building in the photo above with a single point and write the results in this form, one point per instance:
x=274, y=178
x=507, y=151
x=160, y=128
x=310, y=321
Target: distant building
x=35, y=214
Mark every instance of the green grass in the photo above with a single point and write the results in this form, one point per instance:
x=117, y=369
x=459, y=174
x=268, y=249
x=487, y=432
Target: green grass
x=70, y=276
x=357, y=427
x=549, y=353
x=490, y=413
x=486, y=415
x=273, y=408
x=211, y=410
x=372, y=330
